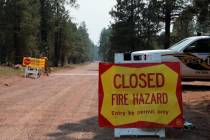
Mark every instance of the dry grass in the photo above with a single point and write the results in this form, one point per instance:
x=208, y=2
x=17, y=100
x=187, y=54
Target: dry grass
x=10, y=71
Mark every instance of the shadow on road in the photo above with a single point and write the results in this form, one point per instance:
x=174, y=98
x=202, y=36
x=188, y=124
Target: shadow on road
x=88, y=130
x=92, y=70
x=198, y=114
x=84, y=130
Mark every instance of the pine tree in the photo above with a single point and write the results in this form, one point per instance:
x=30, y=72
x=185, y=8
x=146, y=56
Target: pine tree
x=42, y=28
x=2, y=31
x=184, y=25
x=21, y=24
x=104, y=43
x=202, y=12
x=136, y=24
x=171, y=9
x=124, y=30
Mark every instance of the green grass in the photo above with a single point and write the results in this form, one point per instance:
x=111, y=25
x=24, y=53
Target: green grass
x=9, y=71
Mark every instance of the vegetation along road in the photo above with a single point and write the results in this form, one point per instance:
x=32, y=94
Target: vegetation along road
x=63, y=106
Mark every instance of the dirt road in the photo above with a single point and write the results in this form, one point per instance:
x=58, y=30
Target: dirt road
x=63, y=106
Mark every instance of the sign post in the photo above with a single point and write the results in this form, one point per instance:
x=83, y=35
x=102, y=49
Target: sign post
x=140, y=99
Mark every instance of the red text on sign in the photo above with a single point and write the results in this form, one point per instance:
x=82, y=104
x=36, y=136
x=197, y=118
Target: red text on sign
x=142, y=80
x=150, y=98
x=119, y=99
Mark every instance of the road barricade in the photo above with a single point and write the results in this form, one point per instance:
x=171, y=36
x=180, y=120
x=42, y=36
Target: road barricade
x=140, y=99
x=33, y=66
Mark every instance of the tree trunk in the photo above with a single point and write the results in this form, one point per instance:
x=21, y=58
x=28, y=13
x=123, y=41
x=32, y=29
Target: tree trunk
x=56, y=50
x=18, y=55
x=62, y=59
x=133, y=35
x=56, y=43
x=167, y=26
x=61, y=48
x=43, y=30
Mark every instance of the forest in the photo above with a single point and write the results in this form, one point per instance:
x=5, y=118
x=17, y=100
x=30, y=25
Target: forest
x=152, y=24
x=42, y=28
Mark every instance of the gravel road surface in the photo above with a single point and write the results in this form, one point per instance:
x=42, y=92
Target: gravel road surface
x=63, y=106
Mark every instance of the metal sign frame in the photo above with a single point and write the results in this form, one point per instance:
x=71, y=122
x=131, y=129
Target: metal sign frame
x=34, y=71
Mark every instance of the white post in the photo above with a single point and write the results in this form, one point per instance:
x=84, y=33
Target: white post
x=34, y=71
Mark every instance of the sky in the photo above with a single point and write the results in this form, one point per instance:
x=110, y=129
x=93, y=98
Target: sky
x=95, y=13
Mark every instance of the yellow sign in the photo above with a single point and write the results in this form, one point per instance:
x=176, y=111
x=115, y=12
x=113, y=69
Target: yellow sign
x=34, y=62
x=144, y=94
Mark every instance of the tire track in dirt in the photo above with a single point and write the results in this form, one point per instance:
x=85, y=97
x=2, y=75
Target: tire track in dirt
x=42, y=114
x=23, y=103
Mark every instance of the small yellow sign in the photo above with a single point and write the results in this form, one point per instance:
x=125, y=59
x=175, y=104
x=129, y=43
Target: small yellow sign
x=34, y=62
